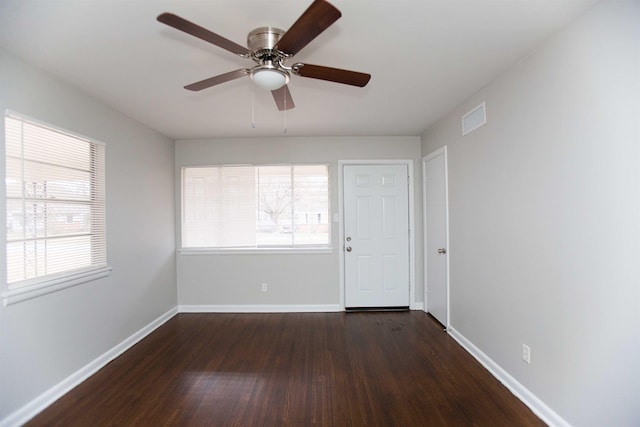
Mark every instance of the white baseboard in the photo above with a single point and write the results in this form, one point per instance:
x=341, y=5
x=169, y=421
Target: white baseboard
x=538, y=407
x=260, y=308
x=265, y=308
x=38, y=404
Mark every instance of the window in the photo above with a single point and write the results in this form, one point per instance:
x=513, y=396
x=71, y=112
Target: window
x=55, y=205
x=255, y=206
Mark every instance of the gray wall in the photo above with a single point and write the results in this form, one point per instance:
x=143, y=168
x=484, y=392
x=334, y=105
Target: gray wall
x=44, y=340
x=544, y=219
x=292, y=279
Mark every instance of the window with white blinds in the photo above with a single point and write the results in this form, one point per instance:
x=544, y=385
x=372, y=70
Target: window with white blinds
x=55, y=204
x=255, y=207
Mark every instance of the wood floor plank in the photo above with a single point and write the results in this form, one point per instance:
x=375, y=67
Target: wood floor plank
x=296, y=369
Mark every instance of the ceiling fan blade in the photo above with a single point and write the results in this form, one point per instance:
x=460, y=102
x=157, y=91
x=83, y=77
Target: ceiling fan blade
x=212, y=81
x=202, y=33
x=336, y=75
x=283, y=98
x=317, y=18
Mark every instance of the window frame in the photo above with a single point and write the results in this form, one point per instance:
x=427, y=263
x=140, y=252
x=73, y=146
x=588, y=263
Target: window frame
x=34, y=287
x=257, y=250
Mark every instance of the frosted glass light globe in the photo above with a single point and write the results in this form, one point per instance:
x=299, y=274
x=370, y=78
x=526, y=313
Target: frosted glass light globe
x=269, y=79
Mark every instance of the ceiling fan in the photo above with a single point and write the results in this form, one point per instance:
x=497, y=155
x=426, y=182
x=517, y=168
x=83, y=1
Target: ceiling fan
x=270, y=48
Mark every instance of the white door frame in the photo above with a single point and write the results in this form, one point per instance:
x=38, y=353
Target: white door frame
x=425, y=159
x=412, y=273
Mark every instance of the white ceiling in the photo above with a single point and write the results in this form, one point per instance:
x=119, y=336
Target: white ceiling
x=425, y=57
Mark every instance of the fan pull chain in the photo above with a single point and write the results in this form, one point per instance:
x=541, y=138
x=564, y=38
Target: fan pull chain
x=253, y=104
x=285, y=109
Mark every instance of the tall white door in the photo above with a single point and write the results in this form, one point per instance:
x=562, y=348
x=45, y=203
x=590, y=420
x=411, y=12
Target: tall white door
x=436, y=253
x=376, y=233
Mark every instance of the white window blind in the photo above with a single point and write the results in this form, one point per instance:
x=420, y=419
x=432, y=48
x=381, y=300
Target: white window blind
x=55, y=201
x=255, y=206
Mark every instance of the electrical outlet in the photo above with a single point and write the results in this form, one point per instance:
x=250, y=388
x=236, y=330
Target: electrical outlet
x=264, y=287
x=526, y=353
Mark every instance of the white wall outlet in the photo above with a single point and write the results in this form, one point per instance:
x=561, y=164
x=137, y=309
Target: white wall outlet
x=264, y=287
x=526, y=353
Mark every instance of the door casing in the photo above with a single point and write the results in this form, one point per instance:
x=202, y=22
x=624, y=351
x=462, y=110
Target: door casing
x=341, y=237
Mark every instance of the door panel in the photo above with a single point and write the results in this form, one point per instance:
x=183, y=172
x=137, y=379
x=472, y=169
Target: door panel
x=436, y=253
x=376, y=221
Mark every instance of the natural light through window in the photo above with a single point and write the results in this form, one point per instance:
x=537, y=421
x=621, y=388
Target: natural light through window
x=55, y=200
x=255, y=206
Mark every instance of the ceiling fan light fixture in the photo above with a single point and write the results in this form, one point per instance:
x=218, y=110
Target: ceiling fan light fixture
x=270, y=48
x=270, y=78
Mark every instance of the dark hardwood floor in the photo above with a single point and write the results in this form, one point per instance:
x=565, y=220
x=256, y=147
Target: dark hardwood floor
x=325, y=369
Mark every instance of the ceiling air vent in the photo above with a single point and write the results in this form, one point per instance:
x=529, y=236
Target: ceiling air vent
x=474, y=119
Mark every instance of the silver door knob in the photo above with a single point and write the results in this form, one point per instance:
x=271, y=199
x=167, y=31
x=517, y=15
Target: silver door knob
x=442, y=251
x=348, y=248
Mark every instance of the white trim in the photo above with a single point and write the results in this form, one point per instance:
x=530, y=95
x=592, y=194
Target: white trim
x=341, y=233
x=24, y=293
x=424, y=236
x=411, y=207
x=261, y=308
x=538, y=407
x=265, y=308
x=41, y=402
x=425, y=159
x=288, y=250
x=257, y=251
x=27, y=289
x=3, y=211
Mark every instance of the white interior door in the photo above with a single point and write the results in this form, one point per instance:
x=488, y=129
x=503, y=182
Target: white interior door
x=376, y=235
x=436, y=251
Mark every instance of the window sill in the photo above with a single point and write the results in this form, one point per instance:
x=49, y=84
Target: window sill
x=28, y=292
x=256, y=251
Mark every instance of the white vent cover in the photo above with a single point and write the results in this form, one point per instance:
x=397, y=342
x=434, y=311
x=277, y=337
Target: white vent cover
x=474, y=119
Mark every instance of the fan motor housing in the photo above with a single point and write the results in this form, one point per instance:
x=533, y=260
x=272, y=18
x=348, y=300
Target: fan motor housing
x=261, y=41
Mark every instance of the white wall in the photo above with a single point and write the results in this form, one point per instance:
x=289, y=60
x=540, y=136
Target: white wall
x=45, y=340
x=545, y=215
x=292, y=279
